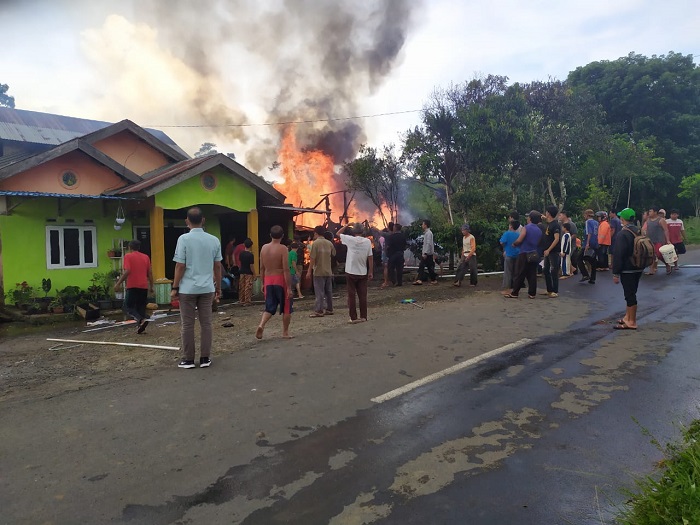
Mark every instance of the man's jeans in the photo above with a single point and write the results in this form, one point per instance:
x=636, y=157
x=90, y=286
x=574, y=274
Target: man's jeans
x=323, y=288
x=202, y=303
x=552, y=264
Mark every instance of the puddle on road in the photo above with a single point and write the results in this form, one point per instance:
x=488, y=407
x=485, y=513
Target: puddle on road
x=490, y=442
x=614, y=359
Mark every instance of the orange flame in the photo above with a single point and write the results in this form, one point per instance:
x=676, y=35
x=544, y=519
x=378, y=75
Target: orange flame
x=308, y=175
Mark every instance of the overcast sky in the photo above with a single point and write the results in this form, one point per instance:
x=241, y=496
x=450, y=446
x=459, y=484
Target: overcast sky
x=109, y=60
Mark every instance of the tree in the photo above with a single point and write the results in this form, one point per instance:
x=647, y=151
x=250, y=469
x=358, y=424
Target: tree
x=437, y=153
x=6, y=100
x=690, y=189
x=567, y=128
x=651, y=97
x=378, y=177
x=208, y=148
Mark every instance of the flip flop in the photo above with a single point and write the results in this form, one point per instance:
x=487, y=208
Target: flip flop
x=620, y=321
x=510, y=296
x=622, y=326
x=316, y=315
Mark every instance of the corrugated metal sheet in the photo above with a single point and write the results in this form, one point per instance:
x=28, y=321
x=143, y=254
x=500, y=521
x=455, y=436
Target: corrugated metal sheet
x=11, y=159
x=163, y=174
x=45, y=128
x=59, y=195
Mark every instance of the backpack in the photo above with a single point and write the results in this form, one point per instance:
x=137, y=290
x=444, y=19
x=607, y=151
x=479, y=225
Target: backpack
x=643, y=253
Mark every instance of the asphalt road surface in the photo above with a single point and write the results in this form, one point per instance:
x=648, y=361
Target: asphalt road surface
x=547, y=429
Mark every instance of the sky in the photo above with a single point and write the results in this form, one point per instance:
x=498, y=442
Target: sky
x=222, y=62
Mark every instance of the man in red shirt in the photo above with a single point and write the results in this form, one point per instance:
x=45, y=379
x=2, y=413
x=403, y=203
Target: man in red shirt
x=139, y=282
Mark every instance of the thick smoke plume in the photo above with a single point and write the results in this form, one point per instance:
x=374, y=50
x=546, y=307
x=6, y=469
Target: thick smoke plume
x=311, y=59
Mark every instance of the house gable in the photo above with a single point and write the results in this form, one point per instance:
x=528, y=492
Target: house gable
x=131, y=151
x=74, y=172
x=216, y=186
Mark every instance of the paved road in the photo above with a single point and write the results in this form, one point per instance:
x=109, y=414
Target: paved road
x=545, y=433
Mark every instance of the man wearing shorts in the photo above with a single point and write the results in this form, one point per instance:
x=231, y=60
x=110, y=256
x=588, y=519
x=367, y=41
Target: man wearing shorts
x=277, y=282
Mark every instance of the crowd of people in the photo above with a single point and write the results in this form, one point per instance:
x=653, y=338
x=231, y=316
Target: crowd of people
x=548, y=243
x=608, y=241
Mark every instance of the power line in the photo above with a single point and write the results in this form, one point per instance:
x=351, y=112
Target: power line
x=282, y=123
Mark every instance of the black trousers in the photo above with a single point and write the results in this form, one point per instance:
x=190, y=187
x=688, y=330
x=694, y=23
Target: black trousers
x=427, y=266
x=525, y=270
x=135, y=303
x=630, y=283
x=396, y=262
x=593, y=261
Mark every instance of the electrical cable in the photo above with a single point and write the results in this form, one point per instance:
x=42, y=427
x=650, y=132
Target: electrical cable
x=282, y=123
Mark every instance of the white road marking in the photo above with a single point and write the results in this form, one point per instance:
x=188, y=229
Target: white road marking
x=453, y=369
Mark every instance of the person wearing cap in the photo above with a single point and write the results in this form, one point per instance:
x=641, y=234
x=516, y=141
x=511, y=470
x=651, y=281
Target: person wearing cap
x=624, y=270
x=676, y=233
x=657, y=230
x=468, y=259
x=359, y=266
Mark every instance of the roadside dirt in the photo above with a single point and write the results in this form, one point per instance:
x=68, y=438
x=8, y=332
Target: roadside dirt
x=33, y=368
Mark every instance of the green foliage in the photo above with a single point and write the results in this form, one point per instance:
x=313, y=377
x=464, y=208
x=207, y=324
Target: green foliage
x=22, y=293
x=377, y=175
x=6, y=100
x=488, y=250
x=650, y=97
x=690, y=189
x=207, y=148
x=673, y=496
x=46, y=286
x=70, y=295
x=692, y=230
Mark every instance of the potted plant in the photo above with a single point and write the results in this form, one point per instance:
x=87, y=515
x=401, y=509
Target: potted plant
x=101, y=290
x=56, y=305
x=70, y=296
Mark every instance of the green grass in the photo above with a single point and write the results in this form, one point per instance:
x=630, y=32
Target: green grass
x=672, y=496
x=692, y=229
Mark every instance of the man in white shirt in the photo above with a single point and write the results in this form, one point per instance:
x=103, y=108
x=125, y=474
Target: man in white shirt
x=427, y=263
x=358, y=268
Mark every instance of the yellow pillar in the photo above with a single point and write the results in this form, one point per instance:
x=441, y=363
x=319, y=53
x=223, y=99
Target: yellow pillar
x=157, y=242
x=254, y=235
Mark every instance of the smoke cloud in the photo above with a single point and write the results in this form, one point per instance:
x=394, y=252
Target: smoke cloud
x=299, y=59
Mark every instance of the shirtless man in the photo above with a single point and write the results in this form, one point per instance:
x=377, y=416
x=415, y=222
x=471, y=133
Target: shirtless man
x=277, y=282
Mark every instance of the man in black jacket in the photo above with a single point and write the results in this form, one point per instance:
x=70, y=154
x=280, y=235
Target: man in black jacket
x=624, y=270
x=395, y=246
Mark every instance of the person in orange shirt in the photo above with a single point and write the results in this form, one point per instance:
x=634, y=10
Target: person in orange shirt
x=604, y=241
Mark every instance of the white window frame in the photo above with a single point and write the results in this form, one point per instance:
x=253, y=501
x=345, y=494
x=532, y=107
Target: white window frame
x=81, y=239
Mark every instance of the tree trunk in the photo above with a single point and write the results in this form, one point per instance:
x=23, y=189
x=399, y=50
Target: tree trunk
x=449, y=204
x=562, y=193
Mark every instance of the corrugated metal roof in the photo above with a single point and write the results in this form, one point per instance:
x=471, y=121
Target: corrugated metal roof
x=296, y=209
x=59, y=195
x=11, y=159
x=45, y=128
x=163, y=174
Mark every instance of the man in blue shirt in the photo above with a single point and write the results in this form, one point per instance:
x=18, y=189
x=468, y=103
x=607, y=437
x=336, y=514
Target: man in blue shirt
x=197, y=284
